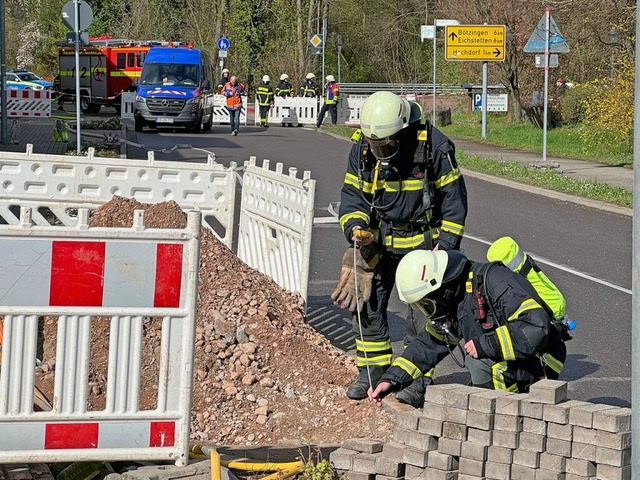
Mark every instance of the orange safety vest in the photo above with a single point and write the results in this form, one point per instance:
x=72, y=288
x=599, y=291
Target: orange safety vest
x=233, y=94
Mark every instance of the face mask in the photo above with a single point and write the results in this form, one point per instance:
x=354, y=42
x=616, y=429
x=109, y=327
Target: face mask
x=384, y=149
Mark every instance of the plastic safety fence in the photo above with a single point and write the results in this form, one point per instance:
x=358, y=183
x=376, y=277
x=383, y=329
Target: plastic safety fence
x=123, y=276
x=28, y=103
x=55, y=186
x=221, y=114
x=291, y=111
x=349, y=109
x=128, y=102
x=276, y=222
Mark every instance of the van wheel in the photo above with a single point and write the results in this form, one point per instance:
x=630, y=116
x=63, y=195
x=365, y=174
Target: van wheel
x=197, y=128
x=207, y=126
x=85, y=104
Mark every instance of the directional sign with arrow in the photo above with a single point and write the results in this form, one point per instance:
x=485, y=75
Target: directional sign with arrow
x=484, y=43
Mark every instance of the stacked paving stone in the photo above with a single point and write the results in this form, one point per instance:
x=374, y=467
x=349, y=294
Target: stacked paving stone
x=468, y=433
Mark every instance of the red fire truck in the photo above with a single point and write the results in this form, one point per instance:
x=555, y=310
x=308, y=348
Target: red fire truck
x=107, y=68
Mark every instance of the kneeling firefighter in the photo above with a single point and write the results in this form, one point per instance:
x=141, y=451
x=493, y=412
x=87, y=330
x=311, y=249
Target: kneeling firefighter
x=510, y=336
x=402, y=191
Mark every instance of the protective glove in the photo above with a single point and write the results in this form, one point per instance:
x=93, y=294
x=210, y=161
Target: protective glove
x=366, y=261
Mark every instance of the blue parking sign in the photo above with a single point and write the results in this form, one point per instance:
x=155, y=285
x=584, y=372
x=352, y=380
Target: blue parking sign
x=477, y=100
x=224, y=43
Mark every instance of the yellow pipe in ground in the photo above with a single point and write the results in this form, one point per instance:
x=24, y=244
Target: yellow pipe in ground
x=215, y=464
x=280, y=474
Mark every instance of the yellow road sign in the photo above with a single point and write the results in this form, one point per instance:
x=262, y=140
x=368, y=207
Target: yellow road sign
x=484, y=43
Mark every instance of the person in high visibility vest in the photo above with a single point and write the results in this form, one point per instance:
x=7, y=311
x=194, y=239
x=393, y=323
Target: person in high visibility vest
x=284, y=88
x=331, y=99
x=233, y=92
x=264, y=92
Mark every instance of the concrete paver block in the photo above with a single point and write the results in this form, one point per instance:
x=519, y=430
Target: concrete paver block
x=415, y=456
x=559, y=447
x=430, y=426
x=510, y=404
x=455, y=415
x=434, y=474
x=607, y=472
x=584, y=435
x=365, y=462
x=459, y=397
x=506, y=439
x=442, y=461
x=499, y=454
x=394, y=451
x=552, y=462
x=386, y=477
x=364, y=445
x=411, y=472
x=351, y=475
x=473, y=451
x=449, y=446
x=532, y=425
x=408, y=420
x=573, y=476
x=168, y=472
x=438, y=394
x=614, y=420
x=469, y=466
x=497, y=471
x=507, y=423
x=454, y=431
x=390, y=468
x=584, y=451
x=542, y=474
x=547, y=391
x=342, y=458
x=392, y=406
x=562, y=432
x=615, y=458
x=421, y=441
x=400, y=435
x=617, y=441
x=582, y=415
x=431, y=410
x=483, y=437
x=485, y=400
x=530, y=409
x=464, y=476
x=559, y=413
x=481, y=420
x=522, y=472
x=532, y=442
x=526, y=458
x=581, y=467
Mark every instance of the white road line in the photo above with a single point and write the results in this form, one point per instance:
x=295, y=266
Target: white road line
x=577, y=273
x=564, y=268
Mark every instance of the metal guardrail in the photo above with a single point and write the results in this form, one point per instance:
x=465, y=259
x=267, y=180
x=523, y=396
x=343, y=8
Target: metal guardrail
x=401, y=88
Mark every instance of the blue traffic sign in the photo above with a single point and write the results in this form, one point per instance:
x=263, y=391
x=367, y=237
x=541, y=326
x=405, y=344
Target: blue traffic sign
x=224, y=43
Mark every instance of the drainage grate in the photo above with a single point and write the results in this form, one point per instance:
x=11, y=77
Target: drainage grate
x=332, y=322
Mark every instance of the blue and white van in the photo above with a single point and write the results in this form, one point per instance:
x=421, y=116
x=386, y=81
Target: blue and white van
x=174, y=89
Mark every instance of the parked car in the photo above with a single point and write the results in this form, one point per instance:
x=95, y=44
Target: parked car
x=23, y=75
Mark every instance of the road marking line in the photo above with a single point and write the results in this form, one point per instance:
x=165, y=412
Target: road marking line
x=562, y=267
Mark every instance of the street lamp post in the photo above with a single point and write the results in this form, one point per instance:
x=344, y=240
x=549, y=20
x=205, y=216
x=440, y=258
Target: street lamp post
x=437, y=23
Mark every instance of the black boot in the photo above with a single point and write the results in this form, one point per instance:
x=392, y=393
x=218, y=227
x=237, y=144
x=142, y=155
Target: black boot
x=414, y=394
x=359, y=389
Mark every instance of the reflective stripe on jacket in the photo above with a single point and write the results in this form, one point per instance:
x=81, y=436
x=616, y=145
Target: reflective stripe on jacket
x=309, y=89
x=332, y=93
x=233, y=95
x=283, y=89
x=265, y=94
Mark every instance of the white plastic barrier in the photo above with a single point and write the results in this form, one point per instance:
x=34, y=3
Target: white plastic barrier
x=80, y=273
x=28, y=103
x=291, y=111
x=128, y=100
x=276, y=222
x=349, y=109
x=221, y=114
x=54, y=186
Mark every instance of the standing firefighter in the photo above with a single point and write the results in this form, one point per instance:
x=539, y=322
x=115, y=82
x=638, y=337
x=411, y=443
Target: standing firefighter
x=331, y=99
x=284, y=88
x=402, y=191
x=510, y=337
x=309, y=88
x=264, y=92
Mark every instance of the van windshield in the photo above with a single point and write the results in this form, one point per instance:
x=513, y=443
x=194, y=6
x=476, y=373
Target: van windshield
x=186, y=75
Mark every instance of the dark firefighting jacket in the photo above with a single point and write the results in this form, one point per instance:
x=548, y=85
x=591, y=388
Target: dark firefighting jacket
x=310, y=89
x=264, y=92
x=284, y=89
x=421, y=199
x=511, y=326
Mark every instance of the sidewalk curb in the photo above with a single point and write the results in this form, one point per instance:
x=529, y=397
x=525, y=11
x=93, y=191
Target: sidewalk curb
x=565, y=197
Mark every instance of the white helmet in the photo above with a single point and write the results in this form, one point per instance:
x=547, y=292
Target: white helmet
x=331, y=78
x=310, y=76
x=266, y=79
x=419, y=273
x=284, y=76
x=225, y=70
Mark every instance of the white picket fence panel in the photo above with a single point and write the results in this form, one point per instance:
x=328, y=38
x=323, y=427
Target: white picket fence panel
x=28, y=103
x=276, y=222
x=349, y=109
x=291, y=111
x=221, y=114
x=128, y=100
x=59, y=184
x=74, y=274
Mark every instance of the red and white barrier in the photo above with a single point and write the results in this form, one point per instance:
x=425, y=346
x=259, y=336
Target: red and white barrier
x=29, y=103
x=75, y=274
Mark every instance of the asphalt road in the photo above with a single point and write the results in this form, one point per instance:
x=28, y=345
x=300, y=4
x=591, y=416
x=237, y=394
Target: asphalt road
x=586, y=252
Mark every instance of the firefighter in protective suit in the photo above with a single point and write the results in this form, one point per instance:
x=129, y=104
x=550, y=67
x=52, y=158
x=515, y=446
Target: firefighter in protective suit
x=264, y=94
x=509, y=334
x=402, y=191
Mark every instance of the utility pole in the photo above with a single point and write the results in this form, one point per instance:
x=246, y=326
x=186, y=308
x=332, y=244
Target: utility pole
x=4, y=131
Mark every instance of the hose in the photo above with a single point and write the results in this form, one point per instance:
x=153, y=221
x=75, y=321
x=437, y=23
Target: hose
x=203, y=451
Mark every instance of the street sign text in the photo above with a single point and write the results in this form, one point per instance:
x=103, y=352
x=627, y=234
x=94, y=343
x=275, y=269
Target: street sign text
x=475, y=42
